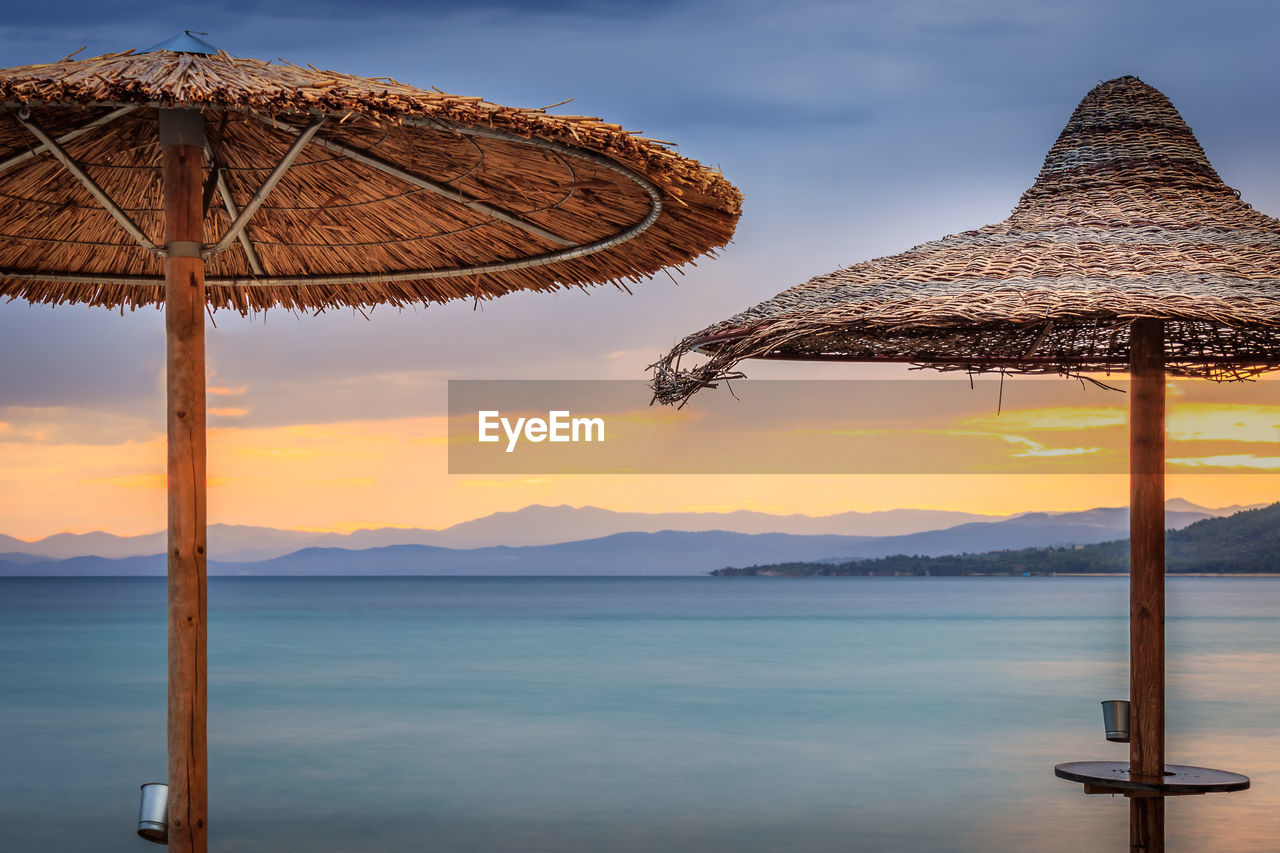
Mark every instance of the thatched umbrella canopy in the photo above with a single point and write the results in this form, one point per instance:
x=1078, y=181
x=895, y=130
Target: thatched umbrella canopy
x=1126, y=221
x=398, y=195
x=187, y=178
x=1128, y=253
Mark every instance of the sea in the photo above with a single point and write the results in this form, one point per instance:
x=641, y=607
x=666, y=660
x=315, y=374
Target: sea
x=637, y=715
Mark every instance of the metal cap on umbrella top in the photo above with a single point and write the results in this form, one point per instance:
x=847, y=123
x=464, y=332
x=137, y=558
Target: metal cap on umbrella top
x=1128, y=253
x=191, y=179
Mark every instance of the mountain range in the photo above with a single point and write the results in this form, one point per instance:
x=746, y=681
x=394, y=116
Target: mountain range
x=532, y=525
x=645, y=551
x=1245, y=543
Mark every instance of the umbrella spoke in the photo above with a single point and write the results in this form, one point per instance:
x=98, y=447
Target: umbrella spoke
x=439, y=189
x=240, y=221
x=89, y=184
x=69, y=136
x=220, y=181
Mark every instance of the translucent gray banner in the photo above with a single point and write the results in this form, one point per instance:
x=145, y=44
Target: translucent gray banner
x=913, y=426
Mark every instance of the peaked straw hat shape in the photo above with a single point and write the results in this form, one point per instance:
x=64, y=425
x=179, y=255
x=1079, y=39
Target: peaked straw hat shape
x=1126, y=221
x=395, y=195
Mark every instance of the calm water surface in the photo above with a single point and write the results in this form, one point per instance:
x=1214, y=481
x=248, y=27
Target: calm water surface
x=552, y=715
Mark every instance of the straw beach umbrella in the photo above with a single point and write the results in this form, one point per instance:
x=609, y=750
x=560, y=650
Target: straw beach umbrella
x=185, y=178
x=1128, y=253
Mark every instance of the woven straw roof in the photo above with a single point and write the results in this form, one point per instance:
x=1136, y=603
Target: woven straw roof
x=551, y=200
x=1126, y=220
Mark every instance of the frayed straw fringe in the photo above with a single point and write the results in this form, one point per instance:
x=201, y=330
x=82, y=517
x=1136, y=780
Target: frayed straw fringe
x=331, y=215
x=1127, y=220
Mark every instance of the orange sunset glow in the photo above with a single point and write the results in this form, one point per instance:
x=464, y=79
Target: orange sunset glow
x=354, y=474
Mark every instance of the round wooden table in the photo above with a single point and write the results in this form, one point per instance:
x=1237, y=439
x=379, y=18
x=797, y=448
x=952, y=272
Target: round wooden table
x=1178, y=779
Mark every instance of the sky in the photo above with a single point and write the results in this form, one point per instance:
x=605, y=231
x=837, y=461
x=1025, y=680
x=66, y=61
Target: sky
x=854, y=130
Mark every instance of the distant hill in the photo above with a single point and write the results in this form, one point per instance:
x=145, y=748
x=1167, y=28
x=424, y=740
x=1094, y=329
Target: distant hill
x=1245, y=543
x=547, y=525
x=663, y=553
x=20, y=558
x=633, y=553
x=532, y=525
x=1032, y=530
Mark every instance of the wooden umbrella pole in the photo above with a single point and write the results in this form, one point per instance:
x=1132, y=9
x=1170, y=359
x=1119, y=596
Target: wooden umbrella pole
x=182, y=151
x=1146, y=579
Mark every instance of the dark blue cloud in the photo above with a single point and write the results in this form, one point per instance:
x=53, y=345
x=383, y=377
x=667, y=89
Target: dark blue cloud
x=233, y=14
x=854, y=129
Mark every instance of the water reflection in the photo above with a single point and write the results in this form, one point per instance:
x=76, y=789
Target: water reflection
x=556, y=716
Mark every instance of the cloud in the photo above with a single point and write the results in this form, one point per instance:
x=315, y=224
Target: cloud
x=827, y=115
x=1230, y=422
x=55, y=425
x=72, y=356
x=854, y=129
x=1060, y=418
x=1030, y=448
x=1239, y=461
